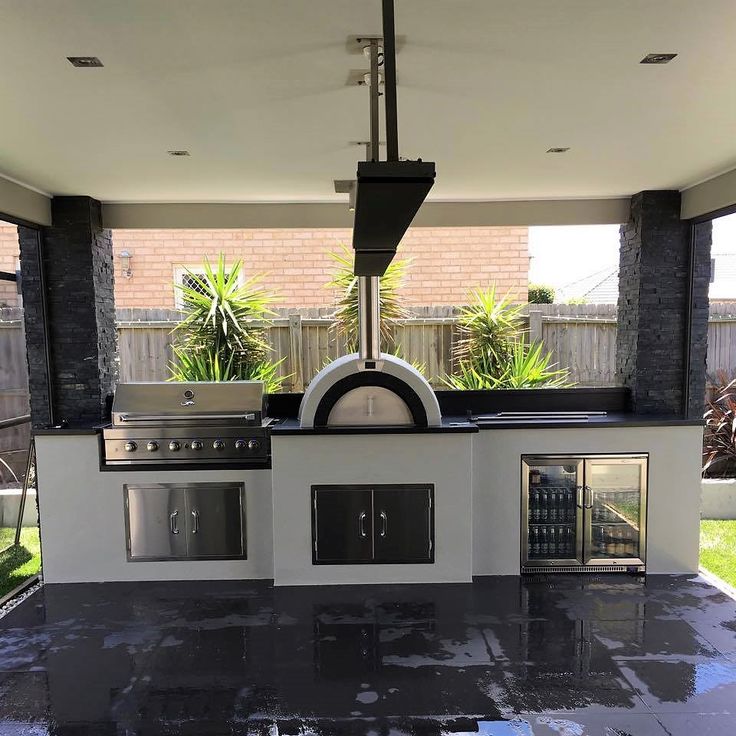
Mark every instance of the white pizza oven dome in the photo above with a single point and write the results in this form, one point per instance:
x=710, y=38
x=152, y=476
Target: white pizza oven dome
x=354, y=391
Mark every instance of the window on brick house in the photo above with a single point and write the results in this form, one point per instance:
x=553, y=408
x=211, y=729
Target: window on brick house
x=183, y=276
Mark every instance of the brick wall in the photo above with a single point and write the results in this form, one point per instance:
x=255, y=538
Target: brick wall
x=8, y=263
x=446, y=262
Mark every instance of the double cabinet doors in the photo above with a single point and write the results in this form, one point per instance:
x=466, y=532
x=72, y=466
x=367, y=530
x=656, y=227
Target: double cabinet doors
x=372, y=524
x=185, y=521
x=585, y=510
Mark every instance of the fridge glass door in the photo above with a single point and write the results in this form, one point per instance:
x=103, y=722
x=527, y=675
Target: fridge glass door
x=615, y=507
x=552, y=509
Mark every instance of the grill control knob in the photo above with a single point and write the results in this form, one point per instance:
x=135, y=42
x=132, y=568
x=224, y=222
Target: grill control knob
x=131, y=447
x=218, y=445
x=197, y=445
x=174, y=445
x=240, y=444
x=254, y=445
x=152, y=446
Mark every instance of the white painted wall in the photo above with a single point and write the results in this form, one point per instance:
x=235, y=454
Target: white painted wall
x=718, y=498
x=477, y=481
x=673, y=502
x=300, y=461
x=83, y=518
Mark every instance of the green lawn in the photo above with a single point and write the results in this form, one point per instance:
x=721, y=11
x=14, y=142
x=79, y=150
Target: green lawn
x=718, y=548
x=18, y=563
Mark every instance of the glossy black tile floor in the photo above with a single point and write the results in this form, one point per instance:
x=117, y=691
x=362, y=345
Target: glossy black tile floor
x=555, y=656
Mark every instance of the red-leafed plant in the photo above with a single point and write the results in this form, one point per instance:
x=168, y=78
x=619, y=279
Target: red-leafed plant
x=719, y=440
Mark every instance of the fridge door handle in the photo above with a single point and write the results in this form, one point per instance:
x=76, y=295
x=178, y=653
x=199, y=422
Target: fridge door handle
x=588, y=497
x=579, y=497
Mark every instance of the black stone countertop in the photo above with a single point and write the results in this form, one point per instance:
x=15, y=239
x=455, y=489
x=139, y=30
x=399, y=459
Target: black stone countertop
x=609, y=420
x=461, y=424
x=450, y=425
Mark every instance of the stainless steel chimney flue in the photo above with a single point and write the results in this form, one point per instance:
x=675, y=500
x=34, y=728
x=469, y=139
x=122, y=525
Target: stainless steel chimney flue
x=369, y=317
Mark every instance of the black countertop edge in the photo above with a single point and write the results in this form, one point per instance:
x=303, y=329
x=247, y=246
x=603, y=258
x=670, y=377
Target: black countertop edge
x=44, y=431
x=608, y=421
x=450, y=425
x=159, y=467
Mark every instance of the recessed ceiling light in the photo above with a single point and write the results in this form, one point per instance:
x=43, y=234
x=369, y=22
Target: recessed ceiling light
x=657, y=58
x=178, y=153
x=560, y=149
x=85, y=61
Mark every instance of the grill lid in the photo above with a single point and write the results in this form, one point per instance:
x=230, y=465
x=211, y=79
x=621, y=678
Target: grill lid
x=154, y=403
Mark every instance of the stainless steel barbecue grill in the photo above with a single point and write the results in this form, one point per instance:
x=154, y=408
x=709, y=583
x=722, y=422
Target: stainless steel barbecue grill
x=187, y=423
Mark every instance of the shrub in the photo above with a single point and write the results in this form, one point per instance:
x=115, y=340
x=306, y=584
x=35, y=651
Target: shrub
x=219, y=340
x=493, y=352
x=541, y=294
x=719, y=438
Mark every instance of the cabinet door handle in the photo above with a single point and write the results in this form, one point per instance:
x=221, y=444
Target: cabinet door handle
x=361, y=524
x=588, y=497
x=195, y=517
x=172, y=522
x=579, y=496
x=384, y=521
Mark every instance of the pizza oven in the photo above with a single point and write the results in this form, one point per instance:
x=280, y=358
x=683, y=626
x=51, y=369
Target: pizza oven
x=369, y=388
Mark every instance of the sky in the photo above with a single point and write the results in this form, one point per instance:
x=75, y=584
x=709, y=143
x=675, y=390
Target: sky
x=560, y=255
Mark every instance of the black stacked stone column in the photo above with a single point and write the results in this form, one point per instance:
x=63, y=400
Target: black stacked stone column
x=663, y=307
x=76, y=266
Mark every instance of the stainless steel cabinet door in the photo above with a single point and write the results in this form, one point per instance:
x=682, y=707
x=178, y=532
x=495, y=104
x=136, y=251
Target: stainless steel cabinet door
x=403, y=525
x=342, y=525
x=215, y=520
x=155, y=522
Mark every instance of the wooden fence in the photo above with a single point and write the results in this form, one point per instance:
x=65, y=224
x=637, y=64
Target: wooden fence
x=581, y=337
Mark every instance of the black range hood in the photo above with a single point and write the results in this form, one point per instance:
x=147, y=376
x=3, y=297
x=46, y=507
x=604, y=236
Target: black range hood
x=388, y=196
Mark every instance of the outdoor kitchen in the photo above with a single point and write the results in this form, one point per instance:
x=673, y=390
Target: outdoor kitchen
x=292, y=528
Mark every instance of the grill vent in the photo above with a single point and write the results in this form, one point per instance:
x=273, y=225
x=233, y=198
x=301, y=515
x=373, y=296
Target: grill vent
x=579, y=568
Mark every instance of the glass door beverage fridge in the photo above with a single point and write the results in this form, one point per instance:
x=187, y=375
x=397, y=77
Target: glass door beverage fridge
x=583, y=512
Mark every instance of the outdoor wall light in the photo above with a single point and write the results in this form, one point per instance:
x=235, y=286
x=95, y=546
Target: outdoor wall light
x=125, y=257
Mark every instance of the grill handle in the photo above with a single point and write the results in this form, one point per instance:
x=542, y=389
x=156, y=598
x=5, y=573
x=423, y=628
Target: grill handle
x=163, y=417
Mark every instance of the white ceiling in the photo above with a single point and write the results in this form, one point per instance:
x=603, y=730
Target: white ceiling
x=255, y=89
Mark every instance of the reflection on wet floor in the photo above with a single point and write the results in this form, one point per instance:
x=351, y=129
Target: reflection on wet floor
x=565, y=655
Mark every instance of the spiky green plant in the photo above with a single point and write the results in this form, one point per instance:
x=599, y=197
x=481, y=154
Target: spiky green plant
x=223, y=334
x=346, y=315
x=493, y=351
x=525, y=366
x=487, y=327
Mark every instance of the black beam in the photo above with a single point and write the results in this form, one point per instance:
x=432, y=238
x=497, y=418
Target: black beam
x=389, y=67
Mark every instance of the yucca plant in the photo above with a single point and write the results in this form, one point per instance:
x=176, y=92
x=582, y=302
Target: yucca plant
x=530, y=367
x=525, y=366
x=223, y=334
x=346, y=315
x=487, y=327
x=492, y=352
